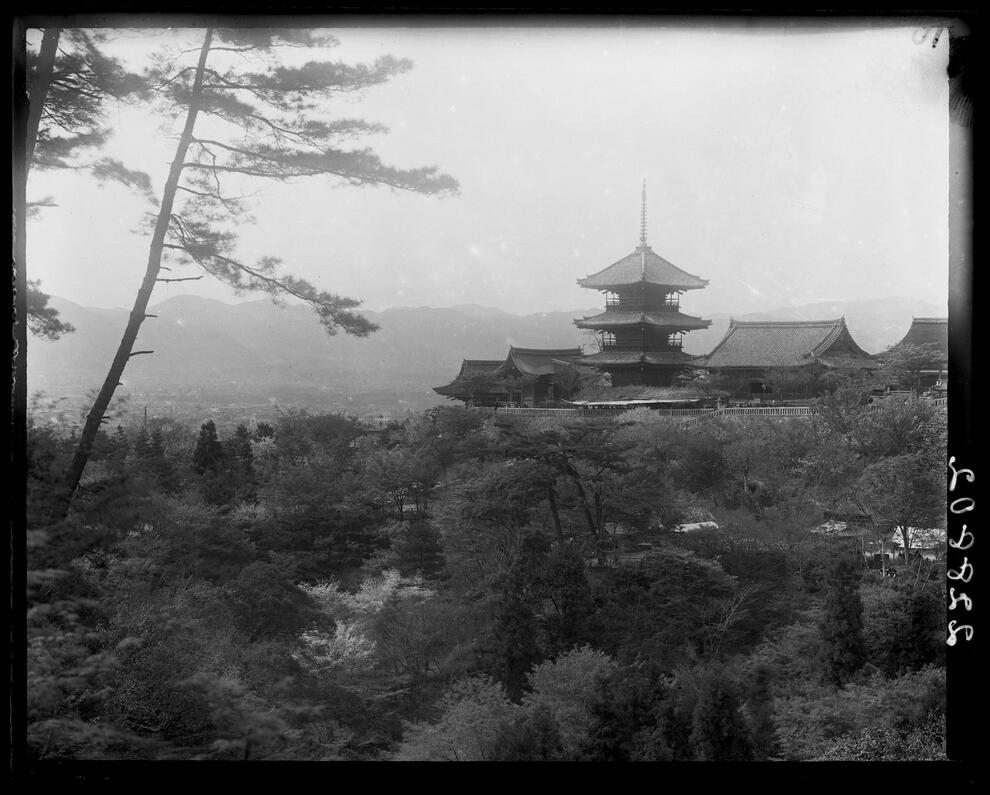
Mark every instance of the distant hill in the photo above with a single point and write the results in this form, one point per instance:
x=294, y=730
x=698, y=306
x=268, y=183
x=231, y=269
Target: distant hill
x=248, y=357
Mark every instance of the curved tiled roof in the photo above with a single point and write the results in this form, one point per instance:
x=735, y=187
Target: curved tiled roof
x=765, y=344
x=612, y=358
x=476, y=366
x=928, y=331
x=538, y=361
x=469, y=367
x=626, y=317
x=643, y=265
x=844, y=361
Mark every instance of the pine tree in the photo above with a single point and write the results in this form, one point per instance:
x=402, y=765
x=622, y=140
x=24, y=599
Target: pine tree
x=760, y=707
x=420, y=551
x=515, y=639
x=238, y=449
x=161, y=466
x=70, y=82
x=237, y=480
x=142, y=444
x=843, y=645
x=624, y=718
x=263, y=430
x=208, y=454
x=119, y=448
x=156, y=445
x=269, y=124
x=718, y=732
x=926, y=636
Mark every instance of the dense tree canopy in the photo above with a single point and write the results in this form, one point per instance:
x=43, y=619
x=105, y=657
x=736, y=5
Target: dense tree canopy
x=320, y=588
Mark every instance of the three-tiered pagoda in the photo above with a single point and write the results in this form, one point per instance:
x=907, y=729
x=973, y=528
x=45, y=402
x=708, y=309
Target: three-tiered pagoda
x=642, y=328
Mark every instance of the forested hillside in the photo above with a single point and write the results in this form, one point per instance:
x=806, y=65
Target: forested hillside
x=460, y=588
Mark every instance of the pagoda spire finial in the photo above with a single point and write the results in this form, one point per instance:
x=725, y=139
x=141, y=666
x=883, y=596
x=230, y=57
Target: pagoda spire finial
x=642, y=221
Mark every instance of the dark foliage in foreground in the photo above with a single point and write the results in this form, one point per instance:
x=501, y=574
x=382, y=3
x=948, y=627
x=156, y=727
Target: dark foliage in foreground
x=447, y=588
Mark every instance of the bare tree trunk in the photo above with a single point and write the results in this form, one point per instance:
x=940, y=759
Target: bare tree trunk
x=124, y=351
x=585, y=507
x=906, y=537
x=39, y=88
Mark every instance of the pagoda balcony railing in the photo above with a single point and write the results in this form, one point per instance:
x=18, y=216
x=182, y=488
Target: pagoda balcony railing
x=671, y=347
x=640, y=303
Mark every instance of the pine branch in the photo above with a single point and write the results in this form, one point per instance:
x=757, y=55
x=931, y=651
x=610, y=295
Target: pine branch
x=230, y=203
x=331, y=309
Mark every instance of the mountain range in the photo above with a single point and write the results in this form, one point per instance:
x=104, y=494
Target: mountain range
x=239, y=360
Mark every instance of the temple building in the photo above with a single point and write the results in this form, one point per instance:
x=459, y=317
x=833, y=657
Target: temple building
x=641, y=330
x=783, y=359
x=474, y=383
x=933, y=334
x=526, y=377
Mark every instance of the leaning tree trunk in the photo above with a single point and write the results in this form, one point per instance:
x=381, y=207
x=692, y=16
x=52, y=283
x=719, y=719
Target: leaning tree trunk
x=39, y=86
x=126, y=348
x=552, y=497
x=585, y=507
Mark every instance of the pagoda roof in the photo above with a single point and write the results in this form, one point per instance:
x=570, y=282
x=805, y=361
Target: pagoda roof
x=626, y=317
x=928, y=331
x=642, y=266
x=763, y=344
x=538, y=361
x=614, y=358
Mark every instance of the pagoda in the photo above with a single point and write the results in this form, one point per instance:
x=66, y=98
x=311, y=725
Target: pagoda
x=642, y=328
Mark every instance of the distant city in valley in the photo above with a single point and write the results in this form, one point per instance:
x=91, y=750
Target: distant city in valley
x=233, y=362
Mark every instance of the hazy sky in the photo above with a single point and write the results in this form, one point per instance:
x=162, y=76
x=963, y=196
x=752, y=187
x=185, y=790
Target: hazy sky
x=783, y=167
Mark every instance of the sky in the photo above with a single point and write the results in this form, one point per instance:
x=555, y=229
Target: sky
x=784, y=167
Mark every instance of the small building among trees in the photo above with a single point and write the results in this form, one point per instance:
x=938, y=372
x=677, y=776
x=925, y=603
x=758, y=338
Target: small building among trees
x=783, y=360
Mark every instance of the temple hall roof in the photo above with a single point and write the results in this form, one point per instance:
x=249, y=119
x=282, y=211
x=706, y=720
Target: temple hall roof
x=766, y=344
x=538, y=361
x=478, y=366
x=643, y=265
x=928, y=331
x=469, y=367
x=626, y=317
